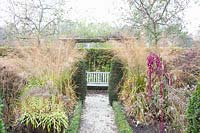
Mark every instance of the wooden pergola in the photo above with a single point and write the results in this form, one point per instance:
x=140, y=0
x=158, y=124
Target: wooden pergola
x=94, y=40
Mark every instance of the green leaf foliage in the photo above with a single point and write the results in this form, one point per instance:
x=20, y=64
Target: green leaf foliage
x=47, y=114
x=2, y=128
x=120, y=119
x=193, y=112
x=76, y=119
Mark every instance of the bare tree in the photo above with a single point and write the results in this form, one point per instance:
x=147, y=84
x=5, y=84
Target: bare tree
x=35, y=18
x=153, y=15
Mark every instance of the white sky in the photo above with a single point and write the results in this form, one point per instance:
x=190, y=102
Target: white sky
x=192, y=17
x=108, y=11
x=96, y=10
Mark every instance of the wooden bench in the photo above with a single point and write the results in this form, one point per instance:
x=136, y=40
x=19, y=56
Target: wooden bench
x=98, y=79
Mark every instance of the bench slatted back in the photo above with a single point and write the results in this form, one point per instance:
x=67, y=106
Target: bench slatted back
x=98, y=78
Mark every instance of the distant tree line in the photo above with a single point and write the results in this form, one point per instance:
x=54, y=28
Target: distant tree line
x=155, y=21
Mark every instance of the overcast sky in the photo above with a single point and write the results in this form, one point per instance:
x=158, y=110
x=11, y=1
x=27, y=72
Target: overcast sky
x=108, y=11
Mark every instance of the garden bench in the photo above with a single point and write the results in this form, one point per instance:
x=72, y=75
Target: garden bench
x=98, y=78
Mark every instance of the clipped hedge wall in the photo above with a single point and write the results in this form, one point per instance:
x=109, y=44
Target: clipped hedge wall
x=115, y=79
x=76, y=119
x=2, y=128
x=193, y=112
x=98, y=59
x=79, y=79
x=120, y=119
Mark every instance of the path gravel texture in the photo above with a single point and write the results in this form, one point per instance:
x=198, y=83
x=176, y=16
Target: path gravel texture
x=98, y=115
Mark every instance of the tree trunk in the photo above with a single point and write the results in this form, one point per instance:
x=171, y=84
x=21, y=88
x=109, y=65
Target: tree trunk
x=155, y=35
x=38, y=40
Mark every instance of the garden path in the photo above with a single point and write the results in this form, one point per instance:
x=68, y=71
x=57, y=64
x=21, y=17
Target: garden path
x=98, y=115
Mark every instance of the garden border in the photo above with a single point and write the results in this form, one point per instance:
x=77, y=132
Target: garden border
x=76, y=119
x=120, y=119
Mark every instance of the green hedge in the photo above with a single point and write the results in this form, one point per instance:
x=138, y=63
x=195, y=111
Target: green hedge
x=79, y=79
x=75, y=122
x=115, y=78
x=2, y=128
x=193, y=112
x=98, y=59
x=120, y=119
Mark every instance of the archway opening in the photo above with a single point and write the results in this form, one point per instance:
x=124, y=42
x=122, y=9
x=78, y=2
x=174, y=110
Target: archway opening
x=98, y=67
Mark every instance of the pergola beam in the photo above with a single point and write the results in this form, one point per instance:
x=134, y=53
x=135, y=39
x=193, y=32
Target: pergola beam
x=90, y=40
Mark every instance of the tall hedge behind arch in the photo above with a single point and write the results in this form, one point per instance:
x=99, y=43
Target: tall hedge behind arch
x=115, y=79
x=98, y=59
x=79, y=79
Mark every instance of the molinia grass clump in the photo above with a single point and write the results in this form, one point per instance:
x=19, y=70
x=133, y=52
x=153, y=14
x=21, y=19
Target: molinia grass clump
x=49, y=69
x=133, y=54
x=53, y=62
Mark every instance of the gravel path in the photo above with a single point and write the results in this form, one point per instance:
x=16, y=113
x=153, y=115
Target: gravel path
x=98, y=115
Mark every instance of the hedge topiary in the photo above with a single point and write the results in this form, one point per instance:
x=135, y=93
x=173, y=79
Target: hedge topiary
x=2, y=128
x=193, y=112
x=115, y=78
x=79, y=79
x=120, y=119
x=98, y=60
x=76, y=119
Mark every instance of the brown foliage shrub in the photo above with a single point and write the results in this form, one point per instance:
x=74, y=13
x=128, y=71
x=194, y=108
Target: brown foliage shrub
x=185, y=64
x=11, y=83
